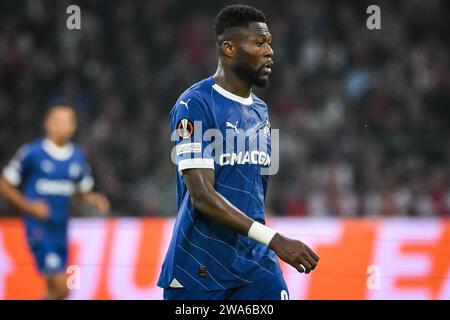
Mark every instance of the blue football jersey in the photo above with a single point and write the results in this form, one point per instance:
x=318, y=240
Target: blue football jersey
x=44, y=171
x=215, y=129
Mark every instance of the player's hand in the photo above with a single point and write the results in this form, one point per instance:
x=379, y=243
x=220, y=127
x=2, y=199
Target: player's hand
x=294, y=252
x=39, y=209
x=102, y=203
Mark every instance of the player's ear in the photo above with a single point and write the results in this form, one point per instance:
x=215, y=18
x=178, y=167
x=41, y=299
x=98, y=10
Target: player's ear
x=228, y=48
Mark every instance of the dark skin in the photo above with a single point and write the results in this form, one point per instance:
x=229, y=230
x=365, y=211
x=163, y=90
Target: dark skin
x=243, y=50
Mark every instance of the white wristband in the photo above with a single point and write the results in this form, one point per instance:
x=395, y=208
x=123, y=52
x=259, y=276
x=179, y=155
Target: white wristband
x=261, y=233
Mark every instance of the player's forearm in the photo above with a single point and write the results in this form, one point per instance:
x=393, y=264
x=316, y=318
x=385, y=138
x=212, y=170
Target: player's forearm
x=205, y=198
x=87, y=197
x=14, y=196
x=216, y=207
x=95, y=199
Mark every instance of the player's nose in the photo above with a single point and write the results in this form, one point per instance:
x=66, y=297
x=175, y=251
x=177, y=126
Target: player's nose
x=269, y=51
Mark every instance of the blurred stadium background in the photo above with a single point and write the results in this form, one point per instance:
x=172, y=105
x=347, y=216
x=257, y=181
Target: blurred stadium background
x=364, y=136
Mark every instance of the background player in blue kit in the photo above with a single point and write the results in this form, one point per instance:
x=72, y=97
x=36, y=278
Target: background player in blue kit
x=40, y=180
x=221, y=248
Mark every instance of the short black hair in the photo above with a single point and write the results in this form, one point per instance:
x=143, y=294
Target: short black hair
x=58, y=103
x=236, y=15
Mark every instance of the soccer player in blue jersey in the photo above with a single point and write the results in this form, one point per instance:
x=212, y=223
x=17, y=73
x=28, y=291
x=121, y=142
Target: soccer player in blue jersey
x=220, y=247
x=40, y=180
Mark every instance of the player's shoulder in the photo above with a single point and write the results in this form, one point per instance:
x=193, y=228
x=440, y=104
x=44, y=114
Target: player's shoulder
x=259, y=102
x=78, y=152
x=202, y=87
x=195, y=98
x=32, y=147
x=29, y=150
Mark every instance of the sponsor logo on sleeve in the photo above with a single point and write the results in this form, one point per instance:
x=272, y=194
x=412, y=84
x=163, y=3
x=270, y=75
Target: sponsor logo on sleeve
x=189, y=148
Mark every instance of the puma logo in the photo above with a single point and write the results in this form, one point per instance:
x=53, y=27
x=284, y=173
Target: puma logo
x=185, y=103
x=230, y=125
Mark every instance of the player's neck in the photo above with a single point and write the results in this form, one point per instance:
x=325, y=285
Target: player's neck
x=229, y=81
x=57, y=142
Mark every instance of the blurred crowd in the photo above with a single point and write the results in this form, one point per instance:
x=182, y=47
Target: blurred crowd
x=363, y=114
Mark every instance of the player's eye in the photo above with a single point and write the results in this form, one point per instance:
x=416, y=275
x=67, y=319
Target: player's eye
x=261, y=42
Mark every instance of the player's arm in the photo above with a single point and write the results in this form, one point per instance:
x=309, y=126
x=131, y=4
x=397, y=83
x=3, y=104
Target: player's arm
x=204, y=197
x=95, y=199
x=85, y=191
x=39, y=209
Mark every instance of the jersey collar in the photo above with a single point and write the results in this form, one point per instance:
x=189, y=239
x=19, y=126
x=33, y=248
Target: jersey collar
x=56, y=152
x=227, y=94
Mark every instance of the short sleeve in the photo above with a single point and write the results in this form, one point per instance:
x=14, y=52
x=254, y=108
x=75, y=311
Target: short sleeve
x=190, y=119
x=86, y=182
x=17, y=167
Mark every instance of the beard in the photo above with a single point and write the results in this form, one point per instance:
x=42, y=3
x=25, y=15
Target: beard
x=246, y=73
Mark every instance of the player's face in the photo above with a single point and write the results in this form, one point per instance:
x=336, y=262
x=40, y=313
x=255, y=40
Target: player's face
x=253, y=60
x=61, y=124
